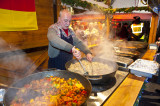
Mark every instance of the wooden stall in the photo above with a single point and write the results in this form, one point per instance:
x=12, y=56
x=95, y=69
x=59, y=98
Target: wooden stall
x=31, y=47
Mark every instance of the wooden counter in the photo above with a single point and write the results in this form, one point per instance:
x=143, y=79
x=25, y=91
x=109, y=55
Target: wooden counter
x=126, y=94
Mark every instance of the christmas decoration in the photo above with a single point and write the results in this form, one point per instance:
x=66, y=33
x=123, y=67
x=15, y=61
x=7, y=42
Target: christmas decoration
x=86, y=5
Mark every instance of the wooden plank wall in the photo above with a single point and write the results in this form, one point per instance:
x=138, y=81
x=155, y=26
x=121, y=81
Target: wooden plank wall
x=21, y=52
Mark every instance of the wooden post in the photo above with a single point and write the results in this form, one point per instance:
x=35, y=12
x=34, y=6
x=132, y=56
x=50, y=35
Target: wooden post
x=108, y=20
x=108, y=26
x=58, y=7
x=153, y=29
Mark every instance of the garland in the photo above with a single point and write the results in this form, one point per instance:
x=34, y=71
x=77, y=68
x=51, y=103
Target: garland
x=128, y=10
x=76, y=3
x=90, y=6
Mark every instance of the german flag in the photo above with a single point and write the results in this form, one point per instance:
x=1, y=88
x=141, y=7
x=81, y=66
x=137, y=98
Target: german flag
x=18, y=15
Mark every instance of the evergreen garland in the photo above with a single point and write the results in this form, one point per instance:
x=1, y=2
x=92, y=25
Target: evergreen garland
x=87, y=5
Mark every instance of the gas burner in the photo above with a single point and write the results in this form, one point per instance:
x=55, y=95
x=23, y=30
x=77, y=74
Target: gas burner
x=100, y=93
x=103, y=86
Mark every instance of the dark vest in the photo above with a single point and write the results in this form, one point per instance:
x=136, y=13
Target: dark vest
x=60, y=61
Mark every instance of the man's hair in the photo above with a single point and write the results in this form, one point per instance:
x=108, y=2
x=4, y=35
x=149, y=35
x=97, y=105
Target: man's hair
x=63, y=11
x=137, y=18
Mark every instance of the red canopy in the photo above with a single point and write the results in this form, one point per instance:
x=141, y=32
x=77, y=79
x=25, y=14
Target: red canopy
x=116, y=16
x=129, y=16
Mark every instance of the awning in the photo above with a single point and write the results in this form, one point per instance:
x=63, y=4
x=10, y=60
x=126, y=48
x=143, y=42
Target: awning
x=116, y=17
x=129, y=16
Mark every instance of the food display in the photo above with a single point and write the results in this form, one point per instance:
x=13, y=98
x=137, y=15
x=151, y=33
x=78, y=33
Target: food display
x=124, y=61
x=144, y=67
x=132, y=49
x=55, y=91
x=131, y=44
x=93, y=68
x=127, y=53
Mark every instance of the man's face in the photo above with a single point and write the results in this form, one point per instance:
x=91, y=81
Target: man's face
x=65, y=20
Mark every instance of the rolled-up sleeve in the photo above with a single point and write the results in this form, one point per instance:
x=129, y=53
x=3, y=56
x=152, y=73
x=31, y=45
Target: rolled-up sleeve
x=80, y=45
x=57, y=42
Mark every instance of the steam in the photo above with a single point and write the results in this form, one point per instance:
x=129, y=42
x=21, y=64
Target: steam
x=13, y=59
x=96, y=35
x=105, y=50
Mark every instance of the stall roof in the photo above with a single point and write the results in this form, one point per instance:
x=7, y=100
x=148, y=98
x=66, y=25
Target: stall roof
x=89, y=15
x=116, y=16
x=129, y=16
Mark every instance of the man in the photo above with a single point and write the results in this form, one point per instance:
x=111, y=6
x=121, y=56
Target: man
x=63, y=43
x=136, y=30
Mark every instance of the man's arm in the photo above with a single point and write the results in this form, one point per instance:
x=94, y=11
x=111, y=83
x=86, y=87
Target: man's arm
x=79, y=44
x=57, y=42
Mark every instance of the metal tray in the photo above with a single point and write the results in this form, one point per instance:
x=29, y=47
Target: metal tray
x=124, y=61
x=145, y=68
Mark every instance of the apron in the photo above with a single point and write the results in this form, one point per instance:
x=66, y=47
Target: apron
x=63, y=57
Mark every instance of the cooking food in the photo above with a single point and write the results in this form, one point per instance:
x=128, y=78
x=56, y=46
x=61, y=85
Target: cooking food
x=94, y=68
x=56, y=92
x=144, y=68
x=144, y=65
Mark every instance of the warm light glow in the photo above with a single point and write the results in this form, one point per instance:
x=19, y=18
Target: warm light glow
x=103, y=97
x=97, y=103
x=96, y=17
x=93, y=97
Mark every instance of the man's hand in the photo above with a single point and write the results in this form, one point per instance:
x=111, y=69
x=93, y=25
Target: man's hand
x=89, y=57
x=76, y=53
x=158, y=42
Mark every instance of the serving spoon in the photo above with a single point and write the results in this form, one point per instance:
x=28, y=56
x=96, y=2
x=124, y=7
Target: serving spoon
x=91, y=67
x=85, y=72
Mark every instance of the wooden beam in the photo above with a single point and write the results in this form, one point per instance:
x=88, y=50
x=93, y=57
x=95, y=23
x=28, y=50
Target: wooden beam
x=108, y=19
x=153, y=29
x=58, y=7
x=107, y=26
x=149, y=55
x=37, y=63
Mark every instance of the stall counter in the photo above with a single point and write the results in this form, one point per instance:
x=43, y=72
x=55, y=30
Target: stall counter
x=127, y=93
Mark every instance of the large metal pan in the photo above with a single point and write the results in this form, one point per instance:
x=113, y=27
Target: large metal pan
x=11, y=93
x=97, y=79
x=131, y=45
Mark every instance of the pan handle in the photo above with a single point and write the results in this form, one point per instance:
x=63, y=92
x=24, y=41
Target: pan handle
x=94, y=77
